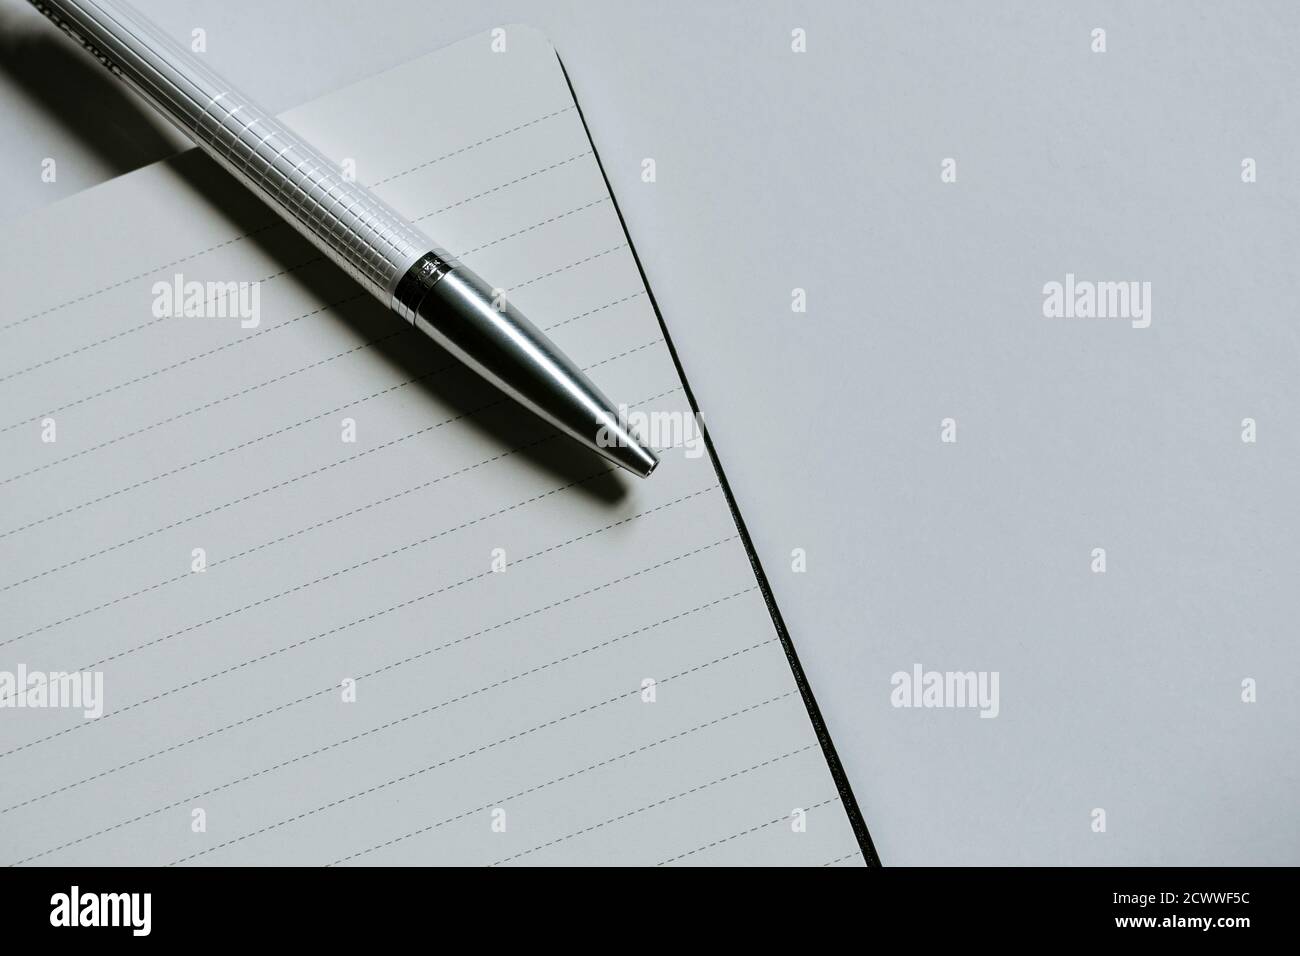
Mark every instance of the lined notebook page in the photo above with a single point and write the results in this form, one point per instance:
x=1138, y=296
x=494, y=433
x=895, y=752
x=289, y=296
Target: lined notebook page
x=349, y=606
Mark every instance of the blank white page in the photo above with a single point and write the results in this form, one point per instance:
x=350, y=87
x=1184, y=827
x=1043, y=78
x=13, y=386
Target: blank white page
x=350, y=606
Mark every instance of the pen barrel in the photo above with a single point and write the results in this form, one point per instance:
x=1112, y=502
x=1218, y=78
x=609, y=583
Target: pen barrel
x=355, y=229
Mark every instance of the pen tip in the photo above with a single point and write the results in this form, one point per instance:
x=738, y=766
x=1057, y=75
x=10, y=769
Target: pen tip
x=619, y=445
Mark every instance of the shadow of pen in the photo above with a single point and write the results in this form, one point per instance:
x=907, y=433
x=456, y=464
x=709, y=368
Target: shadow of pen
x=81, y=96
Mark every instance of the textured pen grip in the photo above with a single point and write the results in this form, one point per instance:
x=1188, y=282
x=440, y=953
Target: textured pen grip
x=347, y=222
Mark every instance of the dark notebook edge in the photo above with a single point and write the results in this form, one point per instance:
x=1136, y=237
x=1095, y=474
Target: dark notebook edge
x=847, y=798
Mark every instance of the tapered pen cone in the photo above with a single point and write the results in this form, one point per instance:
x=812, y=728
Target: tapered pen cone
x=485, y=332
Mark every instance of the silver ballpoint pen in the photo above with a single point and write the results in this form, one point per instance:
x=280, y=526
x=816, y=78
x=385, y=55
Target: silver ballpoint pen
x=372, y=242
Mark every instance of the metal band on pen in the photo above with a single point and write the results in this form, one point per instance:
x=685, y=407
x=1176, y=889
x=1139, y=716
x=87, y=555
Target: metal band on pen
x=411, y=289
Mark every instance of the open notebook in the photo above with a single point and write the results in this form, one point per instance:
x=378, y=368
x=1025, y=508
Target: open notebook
x=348, y=605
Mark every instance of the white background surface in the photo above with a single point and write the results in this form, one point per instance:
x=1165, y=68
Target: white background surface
x=821, y=171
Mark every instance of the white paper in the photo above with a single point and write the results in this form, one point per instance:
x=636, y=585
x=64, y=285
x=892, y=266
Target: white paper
x=499, y=715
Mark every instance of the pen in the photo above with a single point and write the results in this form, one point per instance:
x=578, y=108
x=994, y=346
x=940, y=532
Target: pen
x=377, y=246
